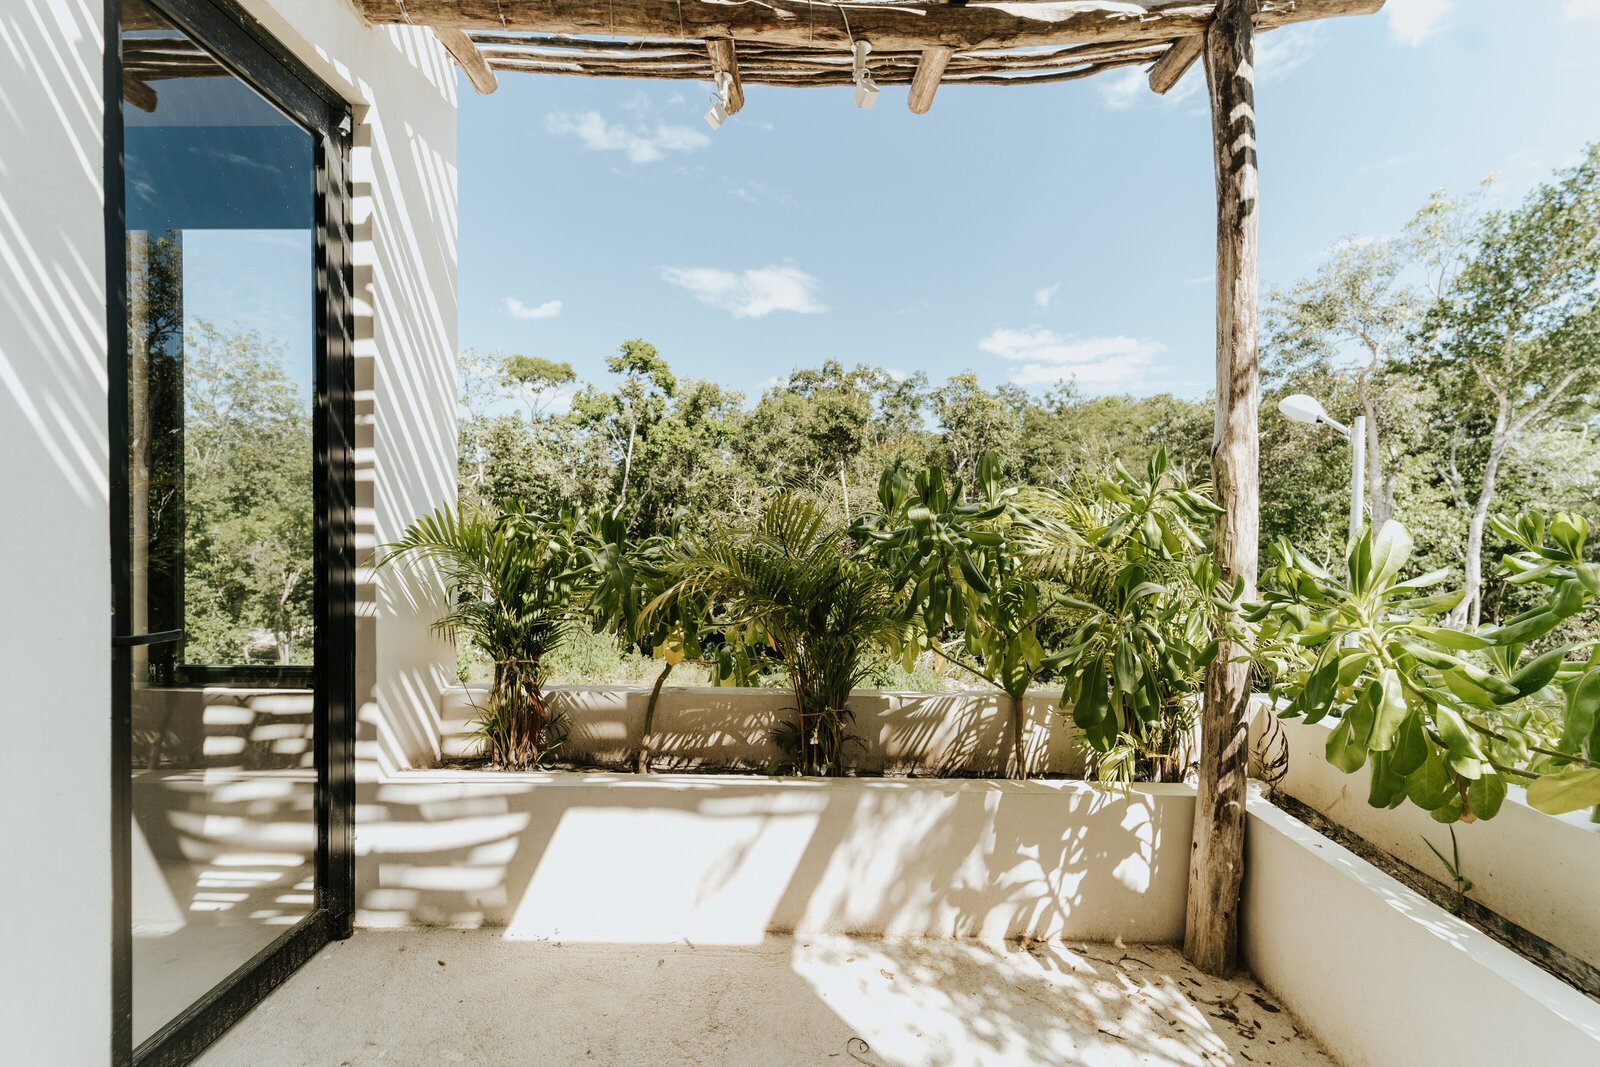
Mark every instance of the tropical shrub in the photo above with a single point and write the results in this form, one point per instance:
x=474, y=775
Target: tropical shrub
x=963, y=572
x=516, y=591
x=1443, y=717
x=1134, y=585
x=790, y=585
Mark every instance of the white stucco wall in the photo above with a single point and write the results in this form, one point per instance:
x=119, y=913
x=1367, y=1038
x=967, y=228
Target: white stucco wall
x=404, y=167
x=1537, y=870
x=1381, y=976
x=729, y=859
x=54, y=540
x=54, y=526
x=949, y=734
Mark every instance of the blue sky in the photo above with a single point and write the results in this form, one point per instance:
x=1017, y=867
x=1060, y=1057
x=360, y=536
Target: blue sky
x=1023, y=233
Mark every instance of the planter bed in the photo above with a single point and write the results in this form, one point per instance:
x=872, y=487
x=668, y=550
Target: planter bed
x=961, y=733
x=730, y=859
x=1384, y=975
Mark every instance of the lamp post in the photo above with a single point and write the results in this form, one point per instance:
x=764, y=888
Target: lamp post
x=1303, y=408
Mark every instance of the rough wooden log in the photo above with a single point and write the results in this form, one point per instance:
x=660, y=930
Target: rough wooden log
x=137, y=93
x=893, y=24
x=926, y=81
x=725, y=59
x=468, y=58
x=755, y=60
x=821, y=77
x=1175, y=63
x=1216, y=867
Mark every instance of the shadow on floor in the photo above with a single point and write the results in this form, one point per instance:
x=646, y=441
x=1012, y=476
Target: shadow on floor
x=425, y=997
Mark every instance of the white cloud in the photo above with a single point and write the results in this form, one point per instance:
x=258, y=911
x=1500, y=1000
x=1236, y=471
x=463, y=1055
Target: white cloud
x=1281, y=52
x=1119, y=92
x=1045, y=358
x=1581, y=9
x=753, y=293
x=1414, y=21
x=1046, y=296
x=518, y=310
x=641, y=144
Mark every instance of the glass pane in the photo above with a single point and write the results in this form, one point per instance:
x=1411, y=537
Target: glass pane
x=221, y=336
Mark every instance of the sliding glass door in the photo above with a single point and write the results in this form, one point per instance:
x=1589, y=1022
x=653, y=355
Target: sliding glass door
x=232, y=538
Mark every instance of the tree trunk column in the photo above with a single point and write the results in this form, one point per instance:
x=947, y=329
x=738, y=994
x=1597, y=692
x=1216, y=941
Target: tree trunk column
x=1216, y=866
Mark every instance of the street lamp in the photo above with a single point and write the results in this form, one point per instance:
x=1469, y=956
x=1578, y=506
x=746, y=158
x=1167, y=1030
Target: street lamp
x=1303, y=408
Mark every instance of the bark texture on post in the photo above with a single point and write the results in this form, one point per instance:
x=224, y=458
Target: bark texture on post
x=1216, y=866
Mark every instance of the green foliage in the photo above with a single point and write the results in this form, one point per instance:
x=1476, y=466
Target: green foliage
x=516, y=586
x=247, y=500
x=788, y=584
x=1106, y=585
x=1135, y=585
x=1442, y=716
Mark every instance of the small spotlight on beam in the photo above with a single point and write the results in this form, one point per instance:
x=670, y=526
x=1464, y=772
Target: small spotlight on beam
x=719, y=101
x=866, y=91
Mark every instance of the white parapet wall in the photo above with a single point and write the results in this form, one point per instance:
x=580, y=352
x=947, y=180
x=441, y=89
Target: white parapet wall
x=729, y=859
x=1540, y=871
x=965, y=733
x=1382, y=976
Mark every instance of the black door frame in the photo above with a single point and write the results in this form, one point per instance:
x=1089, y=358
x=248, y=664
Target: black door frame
x=243, y=45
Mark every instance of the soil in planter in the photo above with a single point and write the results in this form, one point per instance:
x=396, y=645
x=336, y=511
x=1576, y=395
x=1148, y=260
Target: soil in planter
x=1577, y=973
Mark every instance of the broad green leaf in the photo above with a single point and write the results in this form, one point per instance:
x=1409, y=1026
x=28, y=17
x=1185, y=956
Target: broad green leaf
x=1410, y=745
x=1389, y=711
x=1125, y=666
x=1093, y=699
x=1486, y=795
x=1386, y=788
x=1583, y=713
x=1463, y=755
x=1431, y=605
x=1445, y=637
x=1322, y=685
x=1525, y=628
x=1430, y=786
x=1344, y=753
x=1352, y=661
x=1361, y=714
x=1539, y=672
x=1423, y=581
x=1557, y=794
x=1390, y=551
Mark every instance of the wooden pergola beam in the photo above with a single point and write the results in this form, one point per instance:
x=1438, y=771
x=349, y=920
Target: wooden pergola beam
x=1216, y=864
x=468, y=58
x=925, y=82
x=137, y=92
x=1175, y=63
x=725, y=59
x=894, y=24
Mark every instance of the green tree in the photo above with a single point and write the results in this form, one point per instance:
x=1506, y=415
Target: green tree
x=248, y=499
x=624, y=417
x=1514, y=344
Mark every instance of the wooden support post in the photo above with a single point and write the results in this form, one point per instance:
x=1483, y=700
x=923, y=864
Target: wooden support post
x=467, y=56
x=925, y=82
x=1216, y=867
x=1175, y=62
x=725, y=58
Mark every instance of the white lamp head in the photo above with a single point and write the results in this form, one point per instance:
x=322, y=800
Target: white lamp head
x=866, y=91
x=719, y=100
x=1302, y=408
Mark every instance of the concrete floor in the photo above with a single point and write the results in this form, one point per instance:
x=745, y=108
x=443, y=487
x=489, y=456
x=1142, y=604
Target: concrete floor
x=427, y=997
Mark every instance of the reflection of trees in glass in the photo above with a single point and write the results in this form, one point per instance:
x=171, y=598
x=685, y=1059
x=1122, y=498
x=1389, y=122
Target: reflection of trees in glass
x=248, y=571
x=155, y=438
